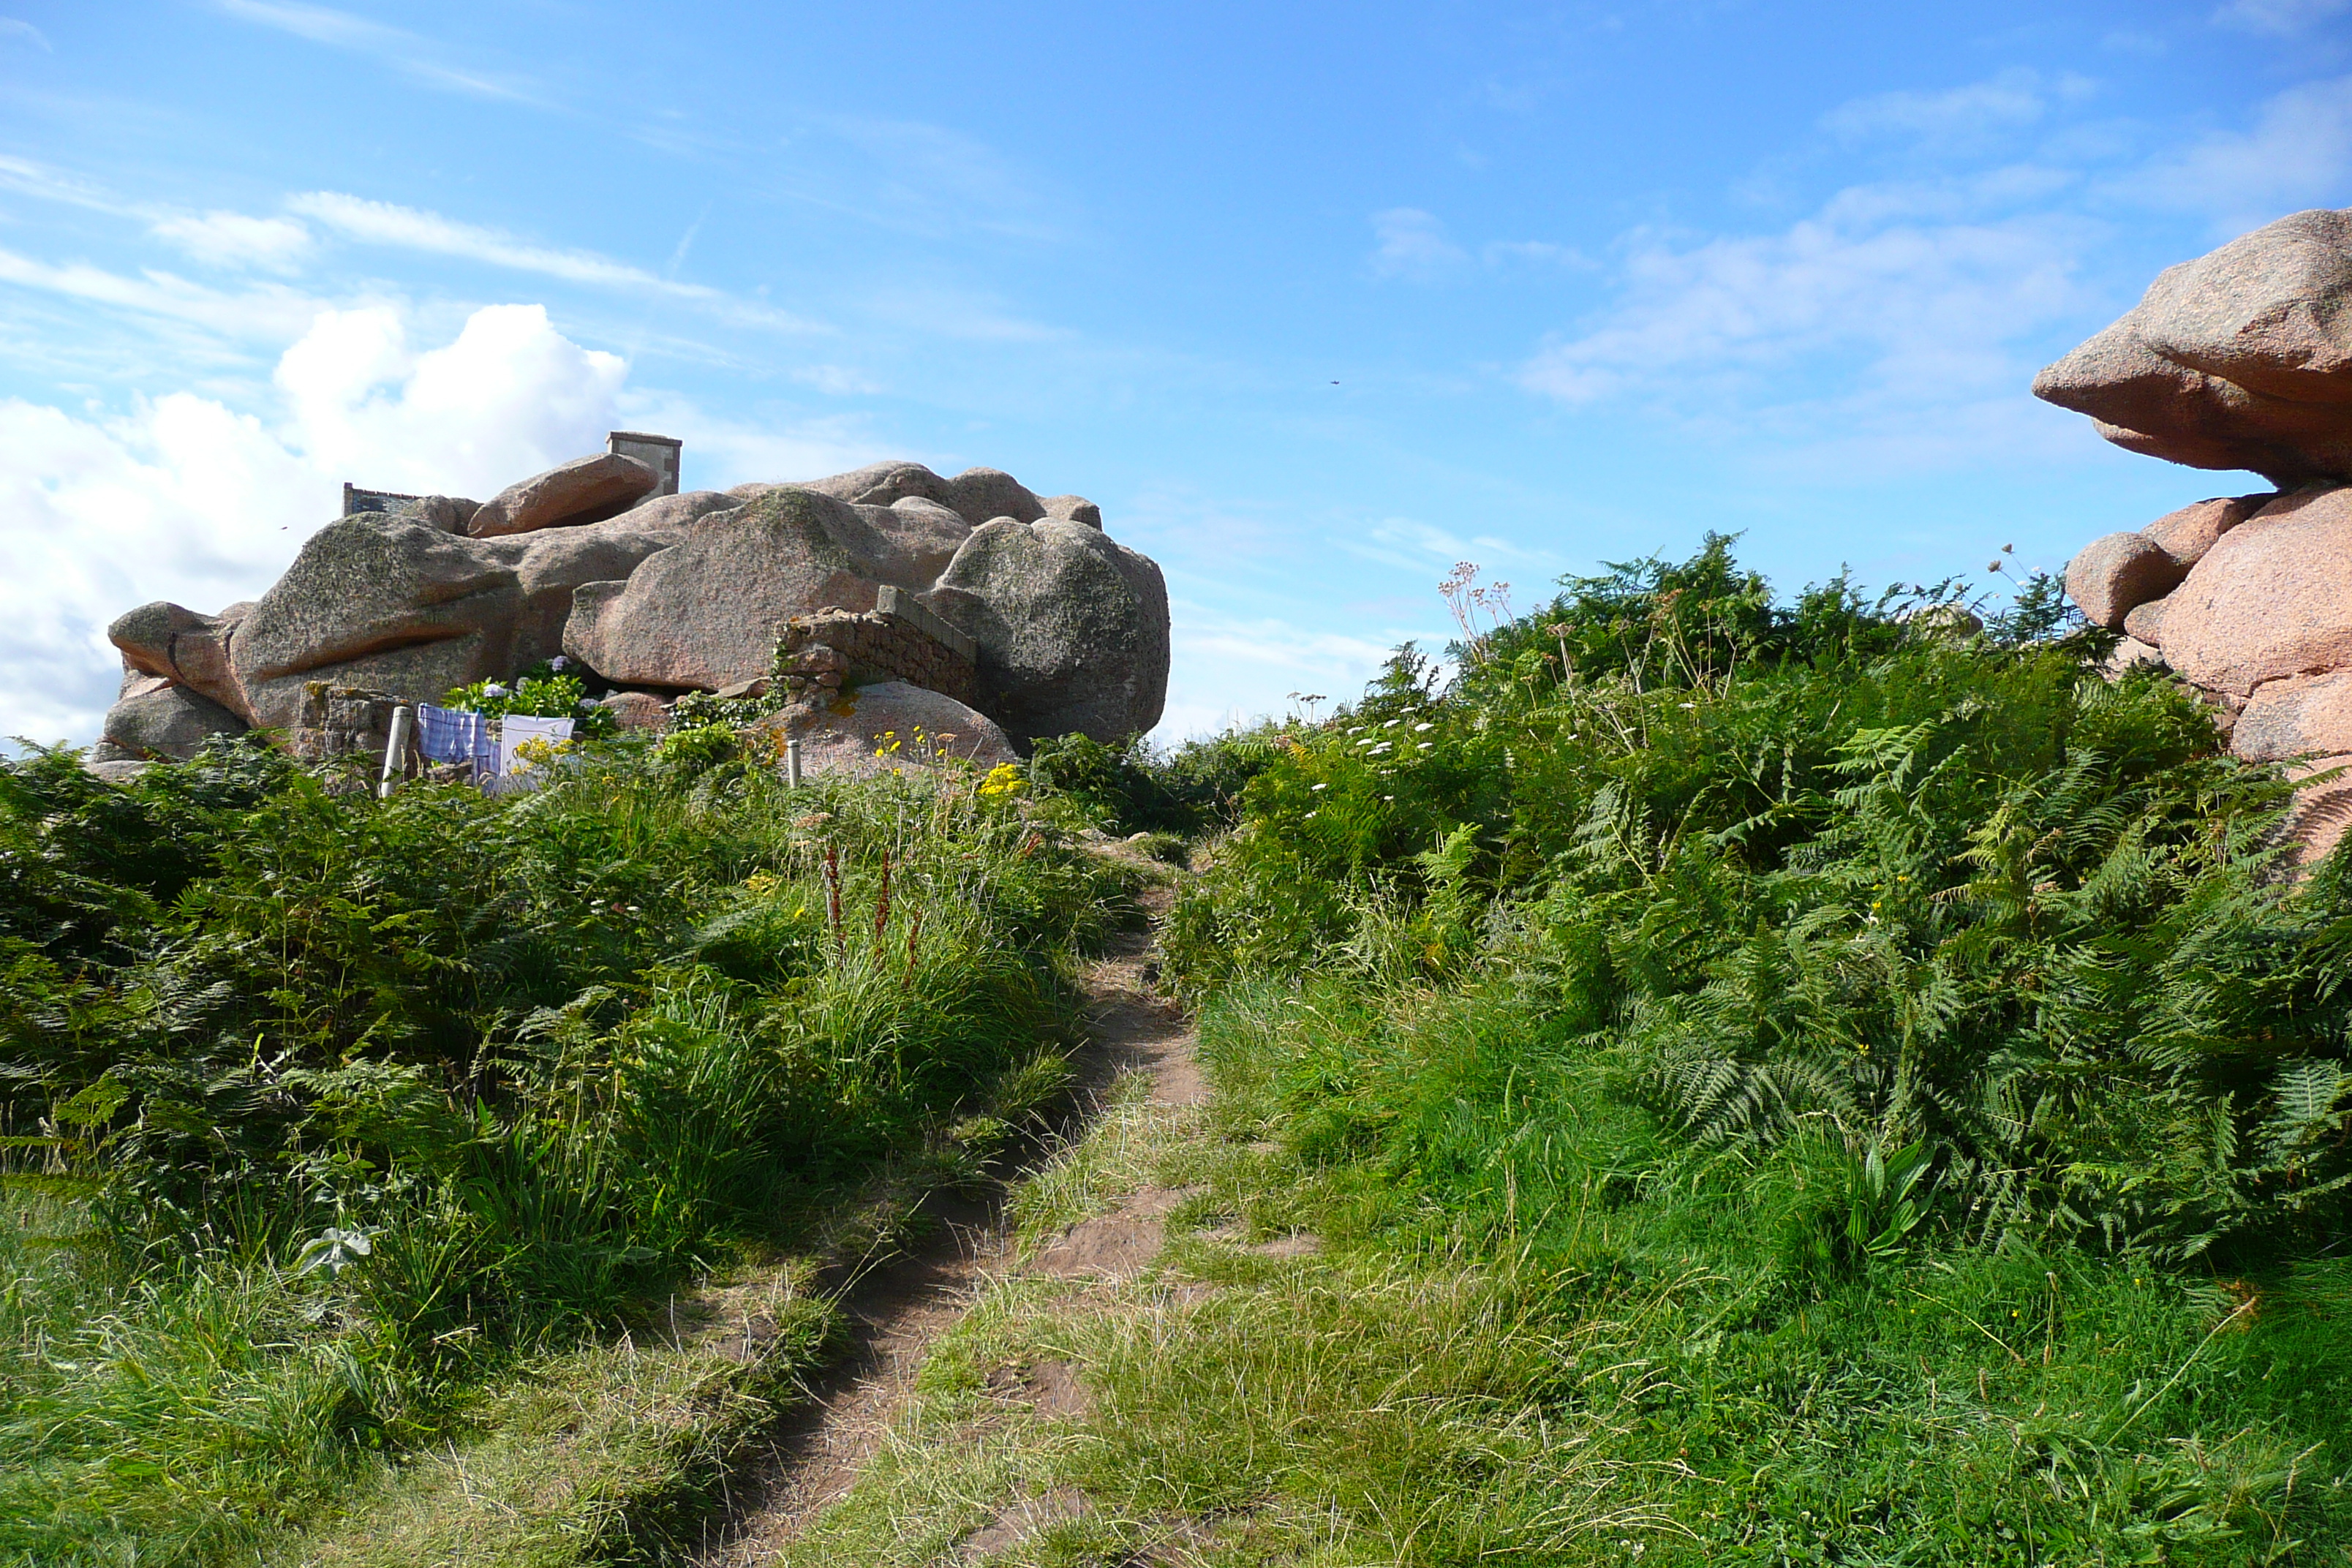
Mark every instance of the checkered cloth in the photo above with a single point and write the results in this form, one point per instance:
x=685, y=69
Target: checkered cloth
x=454, y=735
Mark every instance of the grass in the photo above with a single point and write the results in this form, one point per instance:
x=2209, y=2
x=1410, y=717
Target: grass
x=1647, y=1370
x=610, y=1452
x=1126, y=1138
x=343, y=1217
x=1772, y=1086
x=1766, y=1085
x=1949, y=1405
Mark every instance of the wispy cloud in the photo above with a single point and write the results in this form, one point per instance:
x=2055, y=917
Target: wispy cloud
x=1412, y=244
x=281, y=242
x=1416, y=546
x=1416, y=246
x=217, y=238
x=268, y=312
x=415, y=228
x=2297, y=153
x=967, y=315
x=44, y=184
x=2280, y=17
x=233, y=239
x=1961, y=117
x=1536, y=250
x=943, y=173
x=15, y=31
x=1865, y=339
x=839, y=380
x=1892, y=328
x=407, y=52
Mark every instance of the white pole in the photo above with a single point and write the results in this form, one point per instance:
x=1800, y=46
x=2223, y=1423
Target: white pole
x=791, y=764
x=395, y=749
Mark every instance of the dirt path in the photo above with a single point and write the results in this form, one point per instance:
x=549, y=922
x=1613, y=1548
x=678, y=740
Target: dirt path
x=897, y=1311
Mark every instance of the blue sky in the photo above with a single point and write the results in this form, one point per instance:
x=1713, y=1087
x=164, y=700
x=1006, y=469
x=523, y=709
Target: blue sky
x=1316, y=300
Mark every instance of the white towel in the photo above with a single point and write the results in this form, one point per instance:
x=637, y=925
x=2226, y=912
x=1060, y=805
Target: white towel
x=516, y=731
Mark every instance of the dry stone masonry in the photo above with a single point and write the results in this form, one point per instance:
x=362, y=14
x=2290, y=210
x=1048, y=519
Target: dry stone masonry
x=969, y=605
x=897, y=640
x=2241, y=359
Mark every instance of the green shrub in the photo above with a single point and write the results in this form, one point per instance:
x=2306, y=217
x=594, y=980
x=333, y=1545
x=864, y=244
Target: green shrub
x=389, y=1093
x=1133, y=788
x=543, y=691
x=1812, y=867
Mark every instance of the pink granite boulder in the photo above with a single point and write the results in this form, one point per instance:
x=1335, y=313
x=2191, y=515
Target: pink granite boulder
x=2239, y=359
x=585, y=490
x=2272, y=598
x=2187, y=534
x=2117, y=572
x=2299, y=717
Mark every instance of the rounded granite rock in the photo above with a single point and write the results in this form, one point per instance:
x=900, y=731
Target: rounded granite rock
x=2117, y=572
x=2271, y=599
x=585, y=490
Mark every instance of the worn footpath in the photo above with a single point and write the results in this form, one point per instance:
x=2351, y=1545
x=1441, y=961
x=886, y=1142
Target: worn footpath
x=1137, y=1066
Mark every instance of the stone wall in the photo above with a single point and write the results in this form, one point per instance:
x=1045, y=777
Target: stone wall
x=338, y=720
x=899, y=639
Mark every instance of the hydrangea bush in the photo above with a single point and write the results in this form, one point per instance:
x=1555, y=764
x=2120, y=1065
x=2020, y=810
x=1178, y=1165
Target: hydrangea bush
x=546, y=690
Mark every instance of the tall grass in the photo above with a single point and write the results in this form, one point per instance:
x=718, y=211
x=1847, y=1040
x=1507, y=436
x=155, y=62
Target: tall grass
x=1917, y=1046
x=1824, y=870
x=323, y=1109
x=1791, y=1395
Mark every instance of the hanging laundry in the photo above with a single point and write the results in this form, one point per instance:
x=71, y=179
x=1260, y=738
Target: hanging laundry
x=516, y=730
x=455, y=735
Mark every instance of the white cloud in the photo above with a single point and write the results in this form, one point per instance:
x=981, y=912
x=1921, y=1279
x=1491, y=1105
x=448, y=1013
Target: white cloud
x=231, y=240
x=1413, y=244
x=2280, y=18
x=2298, y=154
x=10, y=27
x=183, y=498
x=1956, y=118
x=405, y=51
x=269, y=311
x=1924, y=311
x=510, y=396
x=414, y=228
x=1226, y=669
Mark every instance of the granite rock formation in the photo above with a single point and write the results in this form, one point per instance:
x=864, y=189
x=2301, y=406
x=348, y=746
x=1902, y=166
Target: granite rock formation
x=1055, y=626
x=2241, y=359
x=887, y=727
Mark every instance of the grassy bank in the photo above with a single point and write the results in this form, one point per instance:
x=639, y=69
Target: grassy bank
x=1712, y=1080
x=350, y=1141
x=1772, y=1083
